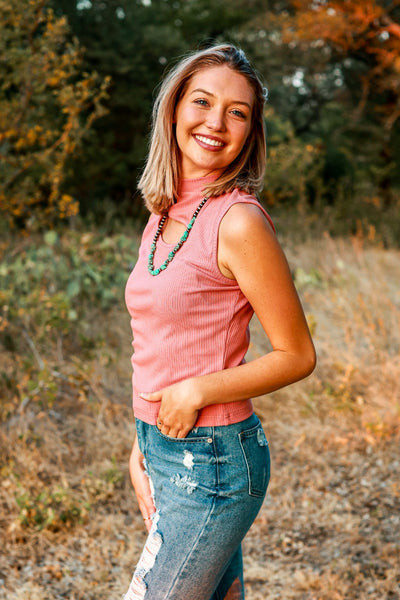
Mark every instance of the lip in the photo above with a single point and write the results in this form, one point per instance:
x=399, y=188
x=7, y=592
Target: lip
x=209, y=142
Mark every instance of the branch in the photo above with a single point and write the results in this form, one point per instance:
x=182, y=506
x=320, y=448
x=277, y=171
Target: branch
x=37, y=22
x=35, y=351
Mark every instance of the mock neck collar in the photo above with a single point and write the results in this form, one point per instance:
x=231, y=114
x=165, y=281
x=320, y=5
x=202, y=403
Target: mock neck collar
x=192, y=186
x=190, y=195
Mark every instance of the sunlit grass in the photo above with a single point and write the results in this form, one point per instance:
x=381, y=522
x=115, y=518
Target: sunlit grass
x=70, y=526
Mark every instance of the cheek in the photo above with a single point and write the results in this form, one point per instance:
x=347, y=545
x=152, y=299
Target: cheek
x=242, y=137
x=186, y=116
x=180, y=130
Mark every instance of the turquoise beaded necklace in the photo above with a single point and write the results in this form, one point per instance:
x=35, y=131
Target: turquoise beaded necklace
x=178, y=246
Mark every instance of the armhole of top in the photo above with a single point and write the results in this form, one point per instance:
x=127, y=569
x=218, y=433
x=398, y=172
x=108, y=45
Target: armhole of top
x=239, y=200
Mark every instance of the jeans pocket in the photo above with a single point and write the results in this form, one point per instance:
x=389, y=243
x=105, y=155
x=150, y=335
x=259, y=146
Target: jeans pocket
x=189, y=439
x=256, y=455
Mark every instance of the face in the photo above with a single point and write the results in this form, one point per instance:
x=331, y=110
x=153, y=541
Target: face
x=213, y=120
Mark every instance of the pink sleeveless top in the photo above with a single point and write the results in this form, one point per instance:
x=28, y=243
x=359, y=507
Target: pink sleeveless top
x=189, y=320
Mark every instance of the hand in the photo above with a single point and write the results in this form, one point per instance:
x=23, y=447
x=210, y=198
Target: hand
x=141, y=484
x=178, y=412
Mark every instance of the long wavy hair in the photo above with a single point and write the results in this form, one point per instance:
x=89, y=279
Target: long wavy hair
x=160, y=178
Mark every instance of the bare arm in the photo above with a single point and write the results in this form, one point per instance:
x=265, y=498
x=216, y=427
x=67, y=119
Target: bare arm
x=141, y=484
x=250, y=253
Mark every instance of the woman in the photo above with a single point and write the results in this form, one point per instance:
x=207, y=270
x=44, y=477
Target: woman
x=209, y=257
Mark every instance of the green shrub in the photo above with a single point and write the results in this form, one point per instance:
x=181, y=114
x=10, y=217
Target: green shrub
x=53, y=289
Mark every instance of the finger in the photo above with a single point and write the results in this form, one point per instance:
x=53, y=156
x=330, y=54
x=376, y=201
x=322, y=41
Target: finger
x=174, y=431
x=162, y=423
x=183, y=432
x=151, y=397
x=148, y=521
x=147, y=512
x=166, y=430
x=146, y=505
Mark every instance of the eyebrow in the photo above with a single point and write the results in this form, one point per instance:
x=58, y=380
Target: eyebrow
x=197, y=90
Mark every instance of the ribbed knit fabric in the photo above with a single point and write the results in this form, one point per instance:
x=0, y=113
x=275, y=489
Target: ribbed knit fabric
x=190, y=319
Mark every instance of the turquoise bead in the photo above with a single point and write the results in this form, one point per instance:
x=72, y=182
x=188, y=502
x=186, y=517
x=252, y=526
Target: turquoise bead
x=178, y=246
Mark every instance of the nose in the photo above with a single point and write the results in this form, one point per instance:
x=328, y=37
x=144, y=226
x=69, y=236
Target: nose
x=216, y=119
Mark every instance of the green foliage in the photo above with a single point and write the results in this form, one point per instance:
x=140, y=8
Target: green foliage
x=58, y=294
x=50, y=288
x=47, y=104
x=332, y=72
x=331, y=69
x=61, y=507
x=134, y=42
x=294, y=167
x=102, y=486
x=52, y=509
x=303, y=279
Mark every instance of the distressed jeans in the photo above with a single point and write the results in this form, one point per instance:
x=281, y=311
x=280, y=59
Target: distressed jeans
x=208, y=489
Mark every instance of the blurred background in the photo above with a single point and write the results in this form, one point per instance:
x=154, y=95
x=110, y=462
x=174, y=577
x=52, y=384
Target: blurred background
x=78, y=80
x=77, y=83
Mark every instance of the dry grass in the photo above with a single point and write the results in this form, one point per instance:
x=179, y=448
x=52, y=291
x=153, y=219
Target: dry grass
x=329, y=528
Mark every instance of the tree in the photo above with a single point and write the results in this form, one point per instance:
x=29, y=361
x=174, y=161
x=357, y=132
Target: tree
x=364, y=38
x=46, y=108
x=134, y=41
x=359, y=45
x=333, y=71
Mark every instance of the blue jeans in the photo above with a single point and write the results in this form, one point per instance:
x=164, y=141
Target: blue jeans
x=208, y=489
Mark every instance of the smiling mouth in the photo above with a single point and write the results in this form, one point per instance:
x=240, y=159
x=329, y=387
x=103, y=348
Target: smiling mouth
x=209, y=141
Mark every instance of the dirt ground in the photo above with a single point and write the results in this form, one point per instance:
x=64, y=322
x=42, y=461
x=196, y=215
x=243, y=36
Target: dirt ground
x=329, y=528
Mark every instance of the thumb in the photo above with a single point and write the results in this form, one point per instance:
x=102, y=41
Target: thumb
x=151, y=397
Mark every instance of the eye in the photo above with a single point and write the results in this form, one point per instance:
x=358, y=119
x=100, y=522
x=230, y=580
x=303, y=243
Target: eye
x=201, y=102
x=238, y=113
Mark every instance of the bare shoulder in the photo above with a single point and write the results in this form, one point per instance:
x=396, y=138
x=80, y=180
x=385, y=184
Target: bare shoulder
x=246, y=239
x=244, y=220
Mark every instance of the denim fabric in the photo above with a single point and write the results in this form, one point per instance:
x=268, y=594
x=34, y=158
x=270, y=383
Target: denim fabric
x=208, y=489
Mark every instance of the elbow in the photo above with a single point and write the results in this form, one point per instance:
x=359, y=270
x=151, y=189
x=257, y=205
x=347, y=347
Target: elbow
x=309, y=361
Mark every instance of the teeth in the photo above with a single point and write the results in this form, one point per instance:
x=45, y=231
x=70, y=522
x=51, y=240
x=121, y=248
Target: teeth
x=208, y=141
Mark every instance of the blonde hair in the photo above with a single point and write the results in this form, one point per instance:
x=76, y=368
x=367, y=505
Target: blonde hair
x=160, y=179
